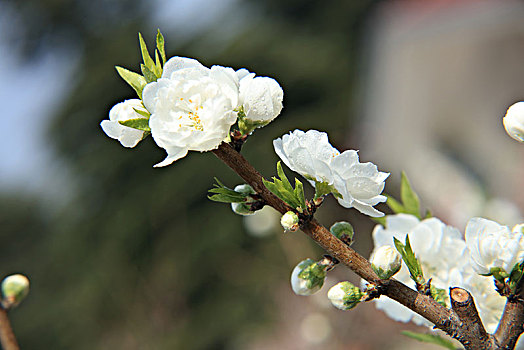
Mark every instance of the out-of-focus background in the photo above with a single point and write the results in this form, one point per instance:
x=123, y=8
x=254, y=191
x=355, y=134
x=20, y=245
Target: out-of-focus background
x=124, y=256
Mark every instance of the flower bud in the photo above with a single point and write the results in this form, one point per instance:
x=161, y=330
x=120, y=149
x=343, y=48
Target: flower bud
x=307, y=277
x=514, y=121
x=14, y=289
x=244, y=189
x=344, y=295
x=289, y=221
x=343, y=231
x=386, y=262
x=243, y=208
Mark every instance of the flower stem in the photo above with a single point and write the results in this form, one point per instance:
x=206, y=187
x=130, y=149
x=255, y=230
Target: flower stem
x=7, y=337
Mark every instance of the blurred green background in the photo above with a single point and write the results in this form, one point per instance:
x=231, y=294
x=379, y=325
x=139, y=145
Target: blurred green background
x=124, y=256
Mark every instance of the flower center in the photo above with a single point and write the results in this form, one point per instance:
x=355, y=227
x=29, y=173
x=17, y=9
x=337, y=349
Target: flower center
x=189, y=116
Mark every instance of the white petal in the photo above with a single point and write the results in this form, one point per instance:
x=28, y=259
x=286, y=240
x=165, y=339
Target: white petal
x=172, y=155
x=112, y=129
x=177, y=63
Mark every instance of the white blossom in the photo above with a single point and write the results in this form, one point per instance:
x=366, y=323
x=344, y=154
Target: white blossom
x=386, y=261
x=360, y=184
x=514, y=121
x=191, y=106
x=311, y=155
x=260, y=97
x=493, y=246
x=443, y=255
x=123, y=111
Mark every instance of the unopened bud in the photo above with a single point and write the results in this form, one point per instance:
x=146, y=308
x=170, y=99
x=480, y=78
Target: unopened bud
x=345, y=295
x=289, y=221
x=307, y=277
x=514, y=121
x=243, y=208
x=14, y=289
x=386, y=262
x=343, y=231
x=244, y=189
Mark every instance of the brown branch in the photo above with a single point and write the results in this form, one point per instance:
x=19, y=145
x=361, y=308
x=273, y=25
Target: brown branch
x=475, y=336
x=7, y=337
x=511, y=325
x=443, y=318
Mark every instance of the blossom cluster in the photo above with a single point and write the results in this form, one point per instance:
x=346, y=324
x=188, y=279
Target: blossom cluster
x=453, y=261
x=193, y=107
x=354, y=184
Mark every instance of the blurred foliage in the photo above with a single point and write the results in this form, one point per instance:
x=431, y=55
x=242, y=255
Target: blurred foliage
x=140, y=258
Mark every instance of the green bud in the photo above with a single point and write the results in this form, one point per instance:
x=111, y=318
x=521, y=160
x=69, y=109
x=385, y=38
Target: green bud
x=289, y=221
x=343, y=231
x=245, y=189
x=243, y=208
x=307, y=277
x=345, y=295
x=14, y=289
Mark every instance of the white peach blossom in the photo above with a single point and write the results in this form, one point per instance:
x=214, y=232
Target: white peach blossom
x=123, y=111
x=191, y=106
x=356, y=185
x=493, y=246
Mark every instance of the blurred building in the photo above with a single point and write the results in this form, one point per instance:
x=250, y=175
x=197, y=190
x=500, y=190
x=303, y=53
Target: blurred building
x=441, y=75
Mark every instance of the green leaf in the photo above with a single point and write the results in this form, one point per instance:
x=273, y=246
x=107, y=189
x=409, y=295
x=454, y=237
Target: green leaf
x=299, y=193
x=409, y=197
x=158, y=66
x=223, y=194
x=139, y=123
x=135, y=80
x=380, y=220
x=148, y=74
x=395, y=205
x=430, y=338
x=282, y=189
x=148, y=61
x=160, y=46
x=414, y=267
x=224, y=198
x=143, y=113
x=515, y=277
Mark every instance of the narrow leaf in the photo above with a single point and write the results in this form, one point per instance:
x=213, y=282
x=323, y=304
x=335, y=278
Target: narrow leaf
x=283, y=177
x=158, y=66
x=395, y=205
x=381, y=220
x=139, y=123
x=142, y=113
x=430, y=338
x=148, y=74
x=160, y=46
x=135, y=80
x=223, y=198
x=148, y=61
x=299, y=193
x=409, y=197
x=414, y=267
